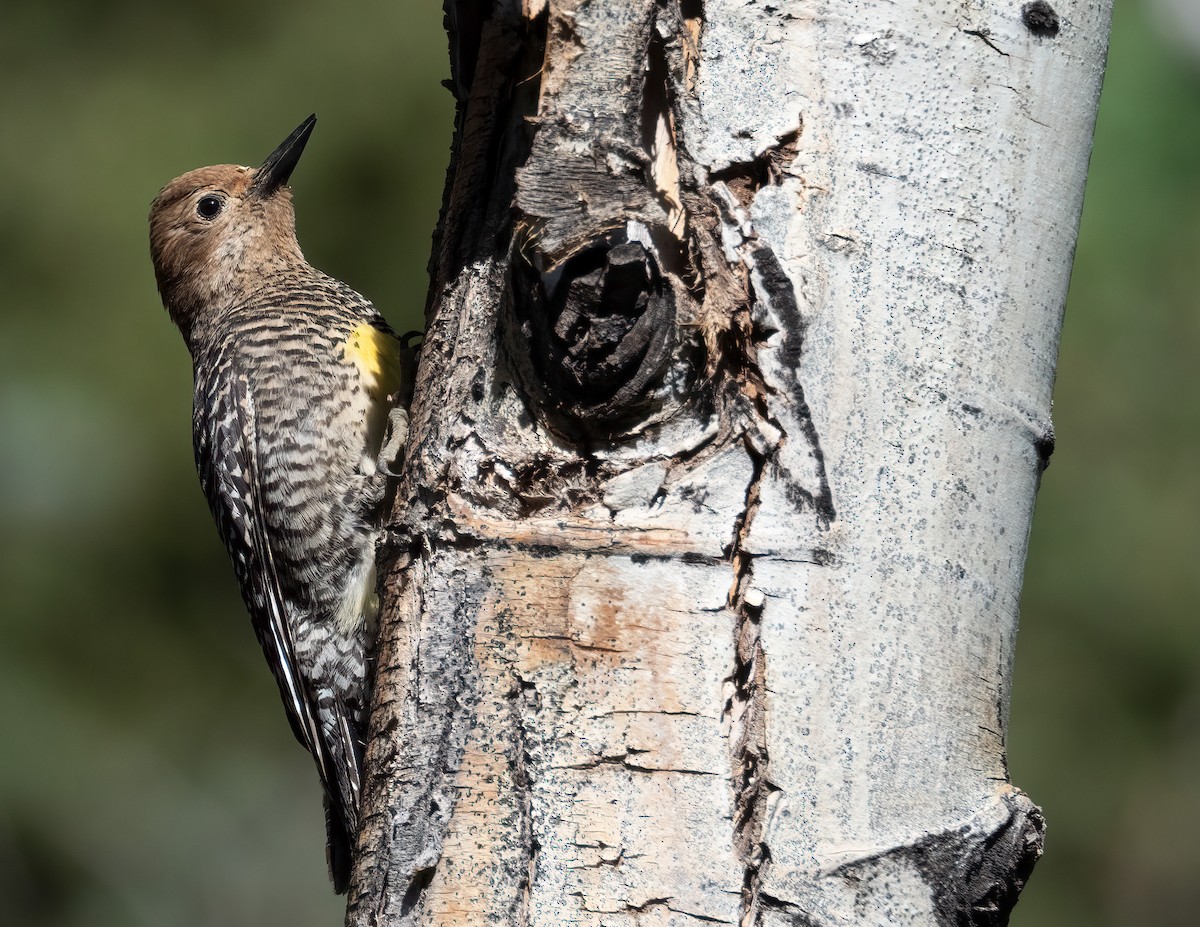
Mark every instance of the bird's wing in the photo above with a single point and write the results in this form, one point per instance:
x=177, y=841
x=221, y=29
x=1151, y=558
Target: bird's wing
x=227, y=460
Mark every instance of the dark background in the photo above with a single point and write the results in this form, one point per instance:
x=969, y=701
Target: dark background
x=146, y=774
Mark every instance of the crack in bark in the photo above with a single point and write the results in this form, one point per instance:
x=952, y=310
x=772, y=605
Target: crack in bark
x=524, y=693
x=624, y=761
x=985, y=36
x=660, y=142
x=575, y=642
x=652, y=903
x=602, y=863
x=746, y=178
x=759, y=278
x=768, y=296
x=746, y=712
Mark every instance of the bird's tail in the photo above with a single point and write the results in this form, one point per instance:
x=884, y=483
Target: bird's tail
x=337, y=846
x=342, y=748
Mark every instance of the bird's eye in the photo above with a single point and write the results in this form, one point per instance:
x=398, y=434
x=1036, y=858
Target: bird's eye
x=209, y=206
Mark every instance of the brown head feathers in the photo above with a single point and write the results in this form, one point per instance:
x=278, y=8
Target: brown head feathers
x=217, y=232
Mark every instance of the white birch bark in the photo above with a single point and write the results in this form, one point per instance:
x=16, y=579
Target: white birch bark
x=736, y=392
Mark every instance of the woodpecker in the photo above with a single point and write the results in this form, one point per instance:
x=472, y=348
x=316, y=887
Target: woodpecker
x=294, y=423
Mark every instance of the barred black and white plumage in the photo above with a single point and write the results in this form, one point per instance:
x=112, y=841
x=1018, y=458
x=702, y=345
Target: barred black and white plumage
x=295, y=375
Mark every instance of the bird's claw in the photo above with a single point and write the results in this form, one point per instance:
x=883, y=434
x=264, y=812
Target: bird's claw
x=392, y=452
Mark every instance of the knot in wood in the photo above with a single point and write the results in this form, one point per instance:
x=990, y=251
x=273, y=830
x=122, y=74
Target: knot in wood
x=601, y=328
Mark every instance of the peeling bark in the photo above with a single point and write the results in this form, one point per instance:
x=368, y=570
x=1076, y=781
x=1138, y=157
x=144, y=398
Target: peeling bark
x=701, y=584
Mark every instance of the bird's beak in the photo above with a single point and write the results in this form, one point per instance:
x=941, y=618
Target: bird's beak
x=280, y=163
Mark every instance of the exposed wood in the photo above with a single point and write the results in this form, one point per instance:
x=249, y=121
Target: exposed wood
x=704, y=571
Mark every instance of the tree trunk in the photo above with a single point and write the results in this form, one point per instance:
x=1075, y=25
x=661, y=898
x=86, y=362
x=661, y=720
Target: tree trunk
x=702, y=582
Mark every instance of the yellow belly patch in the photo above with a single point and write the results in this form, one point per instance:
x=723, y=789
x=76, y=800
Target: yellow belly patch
x=377, y=356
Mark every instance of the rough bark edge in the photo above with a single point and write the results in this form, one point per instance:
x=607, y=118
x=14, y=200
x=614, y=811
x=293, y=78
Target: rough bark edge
x=975, y=873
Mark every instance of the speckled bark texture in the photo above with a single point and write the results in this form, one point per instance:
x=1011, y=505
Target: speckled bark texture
x=702, y=581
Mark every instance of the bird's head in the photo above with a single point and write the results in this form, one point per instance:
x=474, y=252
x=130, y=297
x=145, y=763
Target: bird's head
x=217, y=232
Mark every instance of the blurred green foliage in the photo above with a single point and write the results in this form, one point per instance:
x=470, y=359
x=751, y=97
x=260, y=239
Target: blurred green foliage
x=146, y=774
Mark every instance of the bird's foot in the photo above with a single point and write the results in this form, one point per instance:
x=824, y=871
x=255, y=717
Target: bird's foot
x=392, y=453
